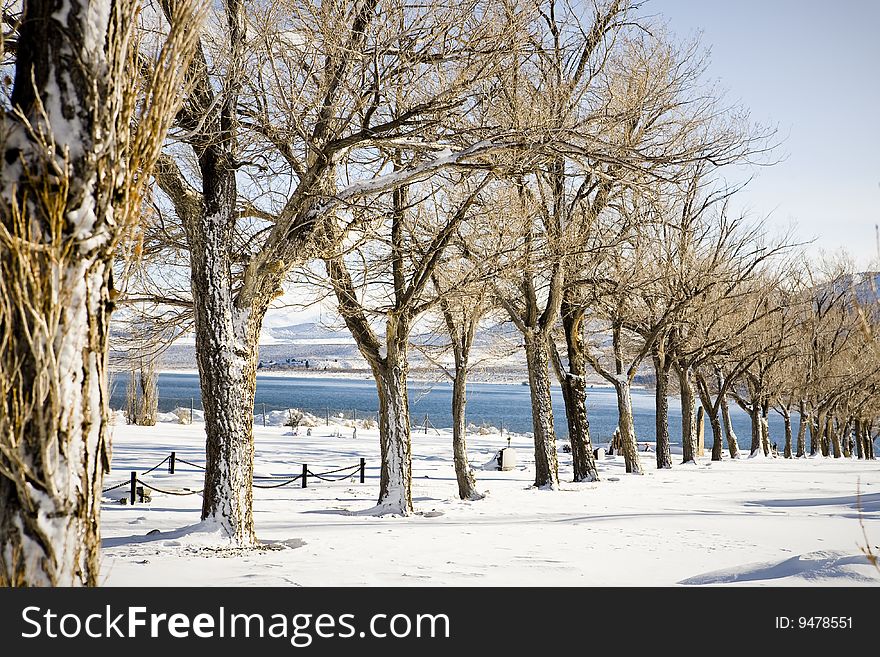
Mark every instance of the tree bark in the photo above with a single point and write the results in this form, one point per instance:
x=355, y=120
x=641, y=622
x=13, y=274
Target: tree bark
x=538, y=363
x=816, y=425
x=688, y=416
x=802, y=429
x=395, y=484
x=765, y=427
x=66, y=196
x=701, y=430
x=661, y=411
x=755, y=417
x=467, y=485
x=786, y=418
x=825, y=435
x=574, y=394
x=732, y=445
x=717, y=438
x=834, y=435
x=628, y=445
x=859, y=439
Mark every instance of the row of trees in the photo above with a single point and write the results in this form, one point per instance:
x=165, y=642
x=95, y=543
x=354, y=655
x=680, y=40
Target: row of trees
x=559, y=164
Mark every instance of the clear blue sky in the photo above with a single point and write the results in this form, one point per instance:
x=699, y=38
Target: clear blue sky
x=813, y=69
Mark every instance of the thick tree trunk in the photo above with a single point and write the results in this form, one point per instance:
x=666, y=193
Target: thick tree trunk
x=786, y=418
x=574, y=394
x=802, y=430
x=226, y=352
x=538, y=363
x=58, y=182
x=869, y=442
x=395, y=483
x=467, y=485
x=53, y=429
x=717, y=438
x=628, y=445
x=688, y=416
x=732, y=445
x=859, y=439
x=661, y=412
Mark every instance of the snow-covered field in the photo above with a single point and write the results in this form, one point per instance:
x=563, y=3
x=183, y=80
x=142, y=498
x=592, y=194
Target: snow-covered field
x=752, y=521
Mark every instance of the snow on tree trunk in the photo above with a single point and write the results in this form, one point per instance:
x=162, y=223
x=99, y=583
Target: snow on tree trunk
x=688, y=416
x=538, y=363
x=816, y=424
x=574, y=394
x=786, y=418
x=54, y=425
x=395, y=484
x=661, y=414
x=732, y=445
x=58, y=182
x=626, y=426
x=467, y=486
x=755, y=416
x=717, y=438
x=765, y=430
x=802, y=430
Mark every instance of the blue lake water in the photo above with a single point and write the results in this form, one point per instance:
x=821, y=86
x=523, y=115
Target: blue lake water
x=488, y=403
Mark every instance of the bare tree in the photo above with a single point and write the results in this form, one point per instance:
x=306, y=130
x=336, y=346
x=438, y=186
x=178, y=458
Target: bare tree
x=79, y=140
x=294, y=109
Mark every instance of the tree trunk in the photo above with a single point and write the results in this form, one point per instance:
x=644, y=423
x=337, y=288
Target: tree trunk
x=62, y=172
x=701, y=430
x=467, y=485
x=732, y=445
x=53, y=422
x=661, y=412
x=786, y=418
x=835, y=437
x=538, y=363
x=802, y=430
x=574, y=394
x=628, y=445
x=755, y=417
x=765, y=427
x=825, y=436
x=816, y=426
x=859, y=440
x=869, y=442
x=226, y=352
x=717, y=439
x=688, y=416
x=395, y=484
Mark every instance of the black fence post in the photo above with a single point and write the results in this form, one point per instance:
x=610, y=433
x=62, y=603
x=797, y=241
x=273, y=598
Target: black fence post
x=426, y=424
x=328, y=416
x=305, y=475
x=264, y=414
x=171, y=462
x=133, y=493
x=363, y=468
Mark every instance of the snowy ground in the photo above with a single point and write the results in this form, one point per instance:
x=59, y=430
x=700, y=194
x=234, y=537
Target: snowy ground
x=752, y=522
